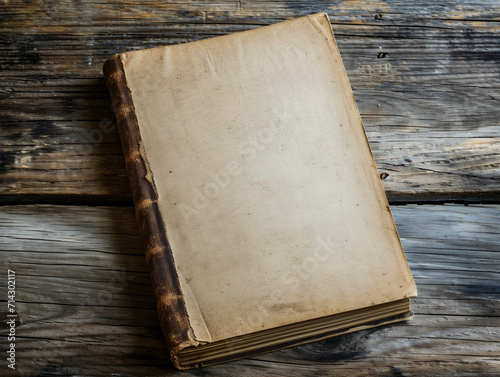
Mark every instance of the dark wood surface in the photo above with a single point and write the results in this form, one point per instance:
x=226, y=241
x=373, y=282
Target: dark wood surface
x=87, y=308
x=426, y=77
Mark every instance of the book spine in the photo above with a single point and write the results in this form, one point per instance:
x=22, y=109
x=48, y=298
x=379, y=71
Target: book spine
x=171, y=306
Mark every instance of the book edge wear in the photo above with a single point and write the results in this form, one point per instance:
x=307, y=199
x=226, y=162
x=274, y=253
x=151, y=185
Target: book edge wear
x=171, y=306
x=185, y=350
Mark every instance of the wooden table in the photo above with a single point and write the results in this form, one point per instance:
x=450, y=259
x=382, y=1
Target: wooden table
x=426, y=78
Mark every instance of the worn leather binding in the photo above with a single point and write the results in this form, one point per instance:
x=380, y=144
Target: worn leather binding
x=171, y=308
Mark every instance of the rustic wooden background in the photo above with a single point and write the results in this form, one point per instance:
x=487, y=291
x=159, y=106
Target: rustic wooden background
x=426, y=77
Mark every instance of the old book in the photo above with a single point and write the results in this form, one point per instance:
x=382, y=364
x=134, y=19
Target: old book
x=263, y=216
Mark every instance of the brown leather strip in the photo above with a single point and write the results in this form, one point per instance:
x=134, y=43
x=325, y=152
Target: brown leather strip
x=171, y=307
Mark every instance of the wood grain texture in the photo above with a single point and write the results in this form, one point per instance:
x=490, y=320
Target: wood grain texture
x=426, y=79
x=425, y=76
x=86, y=305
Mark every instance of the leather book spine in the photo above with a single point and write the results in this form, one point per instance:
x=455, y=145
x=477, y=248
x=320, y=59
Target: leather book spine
x=171, y=306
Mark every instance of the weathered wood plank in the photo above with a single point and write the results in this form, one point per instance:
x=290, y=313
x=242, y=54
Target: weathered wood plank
x=86, y=307
x=425, y=76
